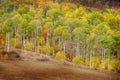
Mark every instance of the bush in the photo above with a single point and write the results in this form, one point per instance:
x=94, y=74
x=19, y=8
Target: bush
x=51, y=50
x=42, y=41
x=6, y=56
x=97, y=62
x=0, y=53
x=28, y=46
x=45, y=50
x=68, y=56
x=12, y=41
x=56, y=48
x=114, y=65
x=2, y=42
x=77, y=60
x=87, y=61
x=1, y=12
x=23, y=10
x=60, y=56
x=17, y=45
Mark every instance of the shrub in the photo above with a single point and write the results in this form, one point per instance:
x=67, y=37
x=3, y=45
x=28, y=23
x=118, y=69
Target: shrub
x=77, y=60
x=45, y=50
x=23, y=10
x=56, y=48
x=51, y=50
x=60, y=56
x=87, y=61
x=3, y=42
x=6, y=56
x=68, y=56
x=17, y=45
x=12, y=42
x=106, y=63
x=28, y=46
x=114, y=65
x=42, y=41
x=97, y=62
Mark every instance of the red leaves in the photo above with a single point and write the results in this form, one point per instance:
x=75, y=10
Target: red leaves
x=45, y=34
x=68, y=56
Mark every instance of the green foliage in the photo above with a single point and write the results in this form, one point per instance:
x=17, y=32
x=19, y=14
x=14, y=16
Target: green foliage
x=10, y=7
x=77, y=60
x=12, y=41
x=7, y=25
x=1, y=12
x=23, y=10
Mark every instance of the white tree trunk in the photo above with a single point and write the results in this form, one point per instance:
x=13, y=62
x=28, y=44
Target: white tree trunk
x=90, y=61
x=8, y=41
x=103, y=58
x=64, y=47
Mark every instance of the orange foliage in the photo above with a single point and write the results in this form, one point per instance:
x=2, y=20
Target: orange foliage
x=68, y=56
x=6, y=56
x=41, y=3
x=2, y=39
x=44, y=3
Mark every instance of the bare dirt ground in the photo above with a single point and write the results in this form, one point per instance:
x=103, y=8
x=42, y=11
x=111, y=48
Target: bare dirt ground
x=35, y=66
x=39, y=70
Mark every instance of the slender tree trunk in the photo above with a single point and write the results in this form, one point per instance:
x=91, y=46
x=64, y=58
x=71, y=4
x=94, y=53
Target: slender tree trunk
x=59, y=43
x=15, y=35
x=48, y=45
x=108, y=60
x=103, y=58
x=84, y=48
x=91, y=59
x=8, y=41
x=64, y=47
x=77, y=49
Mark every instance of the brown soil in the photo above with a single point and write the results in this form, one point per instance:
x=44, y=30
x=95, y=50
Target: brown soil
x=35, y=66
x=48, y=70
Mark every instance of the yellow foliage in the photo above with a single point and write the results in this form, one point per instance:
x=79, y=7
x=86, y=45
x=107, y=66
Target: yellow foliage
x=44, y=3
x=17, y=45
x=110, y=68
x=114, y=65
x=45, y=49
x=117, y=18
x=56, y=48
x=60, y=56
x=52, y=5
x=42, y=41
x=100, y=66
x=87, y=61
x=2, y=39
x=97, y=61
x=51, y=50
x=77, y=60
x=2, y=42
x=28, y=46
x=68, y=14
